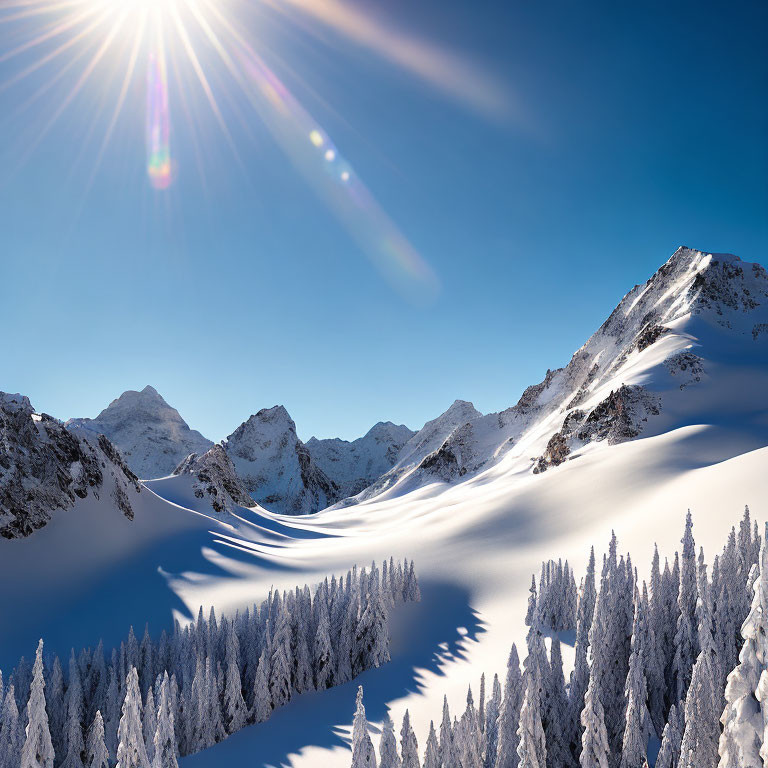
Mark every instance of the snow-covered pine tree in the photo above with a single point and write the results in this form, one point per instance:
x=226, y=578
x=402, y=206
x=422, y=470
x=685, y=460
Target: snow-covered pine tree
x=388, y=757
x=11, y=731
x=131, y=750
x=491, y=734
x=112, y=712
x=432, y=751
x=96, y=754
x=446, y=734
x=669, y=751
x=262, y=700
x=532, y=747
x=742, y=741
x=371, y=642
x=580, y=674
x=149, y=724
x=594, y=740
x=322, y=661
x=75, y=745
x=280, y=687
x=363, y=754
x=165, y=740
x=634, y=749
x=556, y=711
x=409, y=748
x=509, y=717
x=37, y=751
x=530, y=616
x=235, y=710
x=686, y=638
x=471, y=736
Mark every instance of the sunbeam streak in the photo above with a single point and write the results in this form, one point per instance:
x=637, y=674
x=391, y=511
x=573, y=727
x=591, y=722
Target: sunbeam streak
x=206, y=47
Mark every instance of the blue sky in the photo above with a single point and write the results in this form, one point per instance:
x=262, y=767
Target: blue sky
x=623, y=131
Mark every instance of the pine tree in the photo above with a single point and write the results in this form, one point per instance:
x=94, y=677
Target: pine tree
x=165, y=740
x=742, y=740
x=409, y=748
x=96, y=754
x=235, y=710
x=509, y=717
x=262, y=701
x=37, y=751
x=131, y=750
x=432, y=751
x=556, y=711
x=11, y=731
x=322, y=661
x=57, y=708
x=446, y=734
x=637, y=720
x=363, y=755
x=686, y=640
x=699, y=744
x=280, y=687
x=532, y=748
x=388, y=757
x=492, y=724
x=75, y=714
x=149, y=724
x=112, y=713
x=594, y=740
x=669, y=752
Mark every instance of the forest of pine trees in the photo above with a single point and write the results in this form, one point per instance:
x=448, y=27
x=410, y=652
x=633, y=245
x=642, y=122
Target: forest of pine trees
x=158, y=699
x=678, y=665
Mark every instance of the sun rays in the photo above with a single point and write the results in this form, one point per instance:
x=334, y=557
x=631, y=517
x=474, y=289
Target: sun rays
x=62, y=47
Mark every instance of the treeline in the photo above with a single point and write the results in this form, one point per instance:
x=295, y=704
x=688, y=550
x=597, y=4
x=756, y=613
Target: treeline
x=158, y=699
x=683, y=659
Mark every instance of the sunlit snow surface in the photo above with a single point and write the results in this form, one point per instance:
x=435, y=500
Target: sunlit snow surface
x=90, y=573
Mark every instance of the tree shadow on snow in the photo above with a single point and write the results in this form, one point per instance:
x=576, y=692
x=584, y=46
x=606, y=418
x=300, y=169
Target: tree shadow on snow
x=423, y=635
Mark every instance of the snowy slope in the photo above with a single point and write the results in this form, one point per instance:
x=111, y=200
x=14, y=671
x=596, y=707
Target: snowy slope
x=476, y=538
x=354, y=465
x=275, y=467
x=152, y=436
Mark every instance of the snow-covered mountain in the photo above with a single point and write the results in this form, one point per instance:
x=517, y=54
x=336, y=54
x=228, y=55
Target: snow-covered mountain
x=275, y=467
x=421, y=444
x=354, y=465
x=45, y=467
x=150, y=434
x=619, y=385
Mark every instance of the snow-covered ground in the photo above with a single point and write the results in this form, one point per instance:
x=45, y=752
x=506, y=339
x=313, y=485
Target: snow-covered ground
x=476, y=540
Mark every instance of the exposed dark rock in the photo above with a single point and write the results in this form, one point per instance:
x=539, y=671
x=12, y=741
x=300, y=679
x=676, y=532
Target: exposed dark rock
x=650, y=334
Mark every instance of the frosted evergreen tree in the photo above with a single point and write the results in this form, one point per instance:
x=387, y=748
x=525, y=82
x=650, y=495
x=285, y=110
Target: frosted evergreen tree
x=509, y=716
x=652, y=663
x=75, y=745
x=11, y=731
x=388, y=757
x=37, y=751
x=165, y=740
x=213, y=725
x=669, y=751
x=686, y=639
x=481, y=705
x=262, y=701
x=322, y=655
x=742, y=742
x=700, y=737
x=409, y=748
x=637, y=719
x=304, y=678
x=235, y=710
x=446, y=734
x=280, y=687
x=57, y=708
x=131, y=750
x=96, y=754
x=432, y=751
x=471, y=736
x=112, y=713
x=492, y=724
x=96, y=688
x=556, y=711
x=532, y=748
x=363, y=754
x=150, y=724
x=594, y=740
x=580, y=675
x=530, y=616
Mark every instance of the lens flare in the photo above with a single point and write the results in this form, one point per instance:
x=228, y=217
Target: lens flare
x=159, y=167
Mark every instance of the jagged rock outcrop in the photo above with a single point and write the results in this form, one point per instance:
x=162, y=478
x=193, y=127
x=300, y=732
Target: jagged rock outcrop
x=150, y=434
x=276, y=467
x=215, y=478
x=45, y=467
x=354, y=465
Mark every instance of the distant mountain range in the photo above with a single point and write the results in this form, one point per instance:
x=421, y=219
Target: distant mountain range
x=636, y=376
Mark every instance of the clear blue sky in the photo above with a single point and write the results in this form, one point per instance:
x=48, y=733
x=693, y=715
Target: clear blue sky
x=624, y=130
